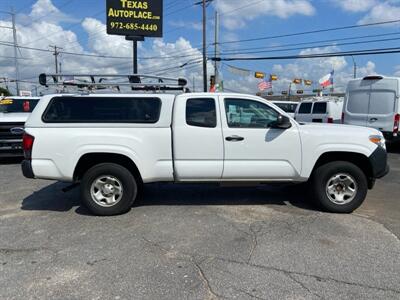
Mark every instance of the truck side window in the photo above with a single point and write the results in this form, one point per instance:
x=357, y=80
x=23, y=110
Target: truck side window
x=201, y=112
x=305, y=108
x=66, y=109
x=319, y=108
x=243, y=113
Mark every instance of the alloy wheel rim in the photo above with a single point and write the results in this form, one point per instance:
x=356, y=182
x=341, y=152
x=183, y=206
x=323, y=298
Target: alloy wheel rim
x=106, y=191
x=341, y=189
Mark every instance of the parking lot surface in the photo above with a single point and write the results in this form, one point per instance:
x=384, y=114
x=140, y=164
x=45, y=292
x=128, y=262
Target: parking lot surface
x=197, y=242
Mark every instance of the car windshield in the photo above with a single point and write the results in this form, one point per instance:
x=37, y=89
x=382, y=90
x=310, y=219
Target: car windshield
x=9, y=105
x=287, y=107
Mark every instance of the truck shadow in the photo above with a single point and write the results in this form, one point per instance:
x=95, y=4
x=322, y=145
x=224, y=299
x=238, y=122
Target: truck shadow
x=51, y=198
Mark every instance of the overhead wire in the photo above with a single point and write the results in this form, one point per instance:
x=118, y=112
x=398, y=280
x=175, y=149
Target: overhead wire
x=317, y=55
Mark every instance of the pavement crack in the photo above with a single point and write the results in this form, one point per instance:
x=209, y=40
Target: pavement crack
x=191, y=259
x=249, y=294
x=254, y=241
x=290, y=275
x=6, y=251
x=317, y=277
x=211, y=294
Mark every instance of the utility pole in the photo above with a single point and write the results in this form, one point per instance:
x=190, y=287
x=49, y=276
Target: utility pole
x=59, y=64
x=15, y=50
x=204, y=46
x=15, y=43
x=204, y=4
x=135, y=60
x=216, y=47
x=56, y=54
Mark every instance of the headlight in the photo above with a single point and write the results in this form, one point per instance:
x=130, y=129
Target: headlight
x=378, y=140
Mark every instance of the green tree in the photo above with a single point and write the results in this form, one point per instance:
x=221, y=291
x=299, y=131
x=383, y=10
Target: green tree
x=4, y=92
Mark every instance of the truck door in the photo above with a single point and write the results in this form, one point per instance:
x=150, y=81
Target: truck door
x=253, y=151
x=382, y=103
x=356, y=107
x=381, y=110
x=198, y=147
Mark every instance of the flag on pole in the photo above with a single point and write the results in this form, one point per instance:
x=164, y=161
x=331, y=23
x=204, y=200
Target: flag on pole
x=327, y=80
x=264, y=85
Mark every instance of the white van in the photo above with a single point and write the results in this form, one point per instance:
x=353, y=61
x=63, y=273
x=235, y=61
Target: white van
x=324, y=109
x=288, y=107
x=373, y=101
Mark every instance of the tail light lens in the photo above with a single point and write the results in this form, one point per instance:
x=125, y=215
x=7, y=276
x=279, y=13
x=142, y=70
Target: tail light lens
x=396, y=124
x=330, y=120
x=342, y=117
x=27, y=145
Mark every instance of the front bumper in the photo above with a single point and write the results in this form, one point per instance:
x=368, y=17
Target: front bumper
x=379, y=163
x=27, y=170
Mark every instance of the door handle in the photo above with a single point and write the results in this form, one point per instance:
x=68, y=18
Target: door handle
x=234, y=138
x=373, y=119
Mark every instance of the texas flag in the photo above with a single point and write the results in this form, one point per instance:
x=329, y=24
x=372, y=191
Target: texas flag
x=327, y=80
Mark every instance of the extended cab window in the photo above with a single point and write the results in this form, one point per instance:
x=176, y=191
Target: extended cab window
x=243, y=113
x=305, y=108
x=201, y=112
x=319, y=108
x=102, y=110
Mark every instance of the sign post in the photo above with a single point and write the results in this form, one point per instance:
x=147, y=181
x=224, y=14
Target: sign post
x=135, y=20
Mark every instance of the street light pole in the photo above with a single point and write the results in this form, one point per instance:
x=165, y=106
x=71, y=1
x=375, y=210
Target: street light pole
x=354, y=67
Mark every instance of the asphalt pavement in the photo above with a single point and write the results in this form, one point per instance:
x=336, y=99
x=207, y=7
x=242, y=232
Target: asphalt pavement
x=197, y=242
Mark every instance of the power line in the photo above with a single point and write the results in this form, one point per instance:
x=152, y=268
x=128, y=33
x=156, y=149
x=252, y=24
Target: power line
x=310, y=32
x=312, y=42
x=318, y=55
x=317, y=46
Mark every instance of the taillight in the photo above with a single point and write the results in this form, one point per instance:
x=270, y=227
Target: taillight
x=27, y=145
x=330, y=120
x=342, y=117
x=396, y=124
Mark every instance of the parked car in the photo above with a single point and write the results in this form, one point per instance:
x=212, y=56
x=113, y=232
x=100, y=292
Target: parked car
x=324, y=109
x=113, y=144
x=373, y=101
x=287, y=106
x=14, y=111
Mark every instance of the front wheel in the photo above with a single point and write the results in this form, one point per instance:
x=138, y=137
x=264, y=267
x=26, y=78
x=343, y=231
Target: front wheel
x=108, y=189
x=339, y=187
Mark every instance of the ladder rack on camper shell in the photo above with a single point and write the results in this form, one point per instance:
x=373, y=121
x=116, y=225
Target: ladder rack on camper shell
x=136, y=82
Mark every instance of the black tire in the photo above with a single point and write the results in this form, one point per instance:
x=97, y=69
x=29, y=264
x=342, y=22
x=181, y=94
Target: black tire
x=126, y=180
x=324, y=173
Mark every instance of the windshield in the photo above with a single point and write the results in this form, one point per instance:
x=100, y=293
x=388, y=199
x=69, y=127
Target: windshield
x=9, y=105
x=287, y=107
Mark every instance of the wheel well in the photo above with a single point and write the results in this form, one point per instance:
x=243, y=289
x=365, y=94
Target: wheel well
x=358, y=159
x=91, y=159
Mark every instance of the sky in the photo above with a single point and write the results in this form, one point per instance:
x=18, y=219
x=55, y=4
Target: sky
x=78, y=26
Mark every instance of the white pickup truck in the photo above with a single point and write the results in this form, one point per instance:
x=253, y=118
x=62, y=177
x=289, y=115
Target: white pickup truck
x=112, y=144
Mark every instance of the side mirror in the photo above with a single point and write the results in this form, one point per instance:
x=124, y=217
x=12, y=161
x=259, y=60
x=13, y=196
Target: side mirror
x=282, y=122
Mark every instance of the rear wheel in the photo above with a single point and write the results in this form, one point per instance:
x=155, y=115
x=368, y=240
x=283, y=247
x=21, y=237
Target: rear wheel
x=108, y=189
x=339, y=187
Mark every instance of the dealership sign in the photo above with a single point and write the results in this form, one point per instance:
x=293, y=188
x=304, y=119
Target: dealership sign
x=135, y=18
